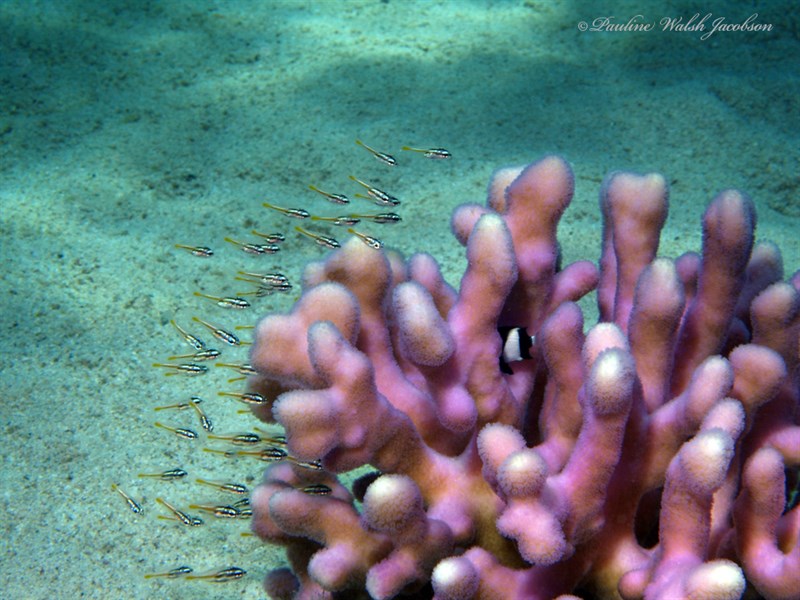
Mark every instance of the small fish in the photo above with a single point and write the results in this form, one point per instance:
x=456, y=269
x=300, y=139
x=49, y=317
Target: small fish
x=343, y=221
x=186, y=434
x=222, y=511
x=240, y=504
x=387, y=159
x=220, y=334
x=170, y=475
x=180, y=515
x=272, y=238
x=193, y=341
x=207, y=354
x=269, y=454
x=317, y=489
x=256, y=249
x=233, y=488
x=297, y=213
x=243, y=369
x=180, y=405
x=246, y=397
x=335, y=198
x=225, y=453
x=267, y=278
x=370, y=241
x=132, y=504
x=189, y=369
x=387, y=200
x=202, y=251
x=380, y=217
x=517, y=344
x=262, y=291
x=324, y=241
x=221, y=576
x=171, y=574
x=226, y=301
x=239, y=439
x=205, y=422
x=274, y=440
x=314, y=465
x=266, y=286
x=434, y=153
x=378, y=196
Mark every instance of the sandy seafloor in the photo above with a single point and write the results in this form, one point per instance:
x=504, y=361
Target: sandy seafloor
x=127, y=127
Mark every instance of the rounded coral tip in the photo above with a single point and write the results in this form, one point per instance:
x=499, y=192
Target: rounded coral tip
x=455, y=579
x=523, y=473
x=716, y=580
x=391, y=502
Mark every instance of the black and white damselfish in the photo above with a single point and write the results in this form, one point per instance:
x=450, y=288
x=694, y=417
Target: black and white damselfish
x=517, y=345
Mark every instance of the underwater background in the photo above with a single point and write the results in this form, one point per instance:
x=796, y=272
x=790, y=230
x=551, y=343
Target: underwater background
x=129, y=127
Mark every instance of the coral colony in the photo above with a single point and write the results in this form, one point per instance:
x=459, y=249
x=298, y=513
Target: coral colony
x=519, y=453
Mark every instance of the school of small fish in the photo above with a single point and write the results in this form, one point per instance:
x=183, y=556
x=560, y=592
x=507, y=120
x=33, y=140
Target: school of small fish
x=267, y=446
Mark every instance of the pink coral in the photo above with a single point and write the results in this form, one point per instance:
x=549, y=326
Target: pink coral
x=644, y=458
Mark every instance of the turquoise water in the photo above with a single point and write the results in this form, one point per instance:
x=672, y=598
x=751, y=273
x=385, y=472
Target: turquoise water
x=128, y=127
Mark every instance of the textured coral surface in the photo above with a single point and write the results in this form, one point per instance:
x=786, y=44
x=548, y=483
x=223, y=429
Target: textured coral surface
x=645, y=455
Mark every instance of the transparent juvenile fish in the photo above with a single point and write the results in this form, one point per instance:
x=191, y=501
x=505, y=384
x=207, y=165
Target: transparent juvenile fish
x=225, y=453
x=221, y=576
x=240, y=504
x=297, y=213
x=239, y=439
x=220, y=334
x=205, y=422
x=266, y=278
x=201, y=251
x=188, y=369
x=269, y=454
x=275, y=454
x=132, y=504
x=272, y=238
x=246, y=397
x=380, y=217
x=180, y=405
x=180, y=515
x=190, y=339
x=169, y=475
x=322, y=240
x=263, y=290
x=387, y=200
x=241, y=368
x=171, y=574
x=256, y=249
x=222, y=511
x=317, y=489
x=343, y=221
x=335, y=198
x=207, y=354
x=226, y=301
x=386, y=159
x=434, y=153
x=186, y=434
x=233, y=488
x=269, y=438
x=314, y=465
x=370, y=241
x=377, y=195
